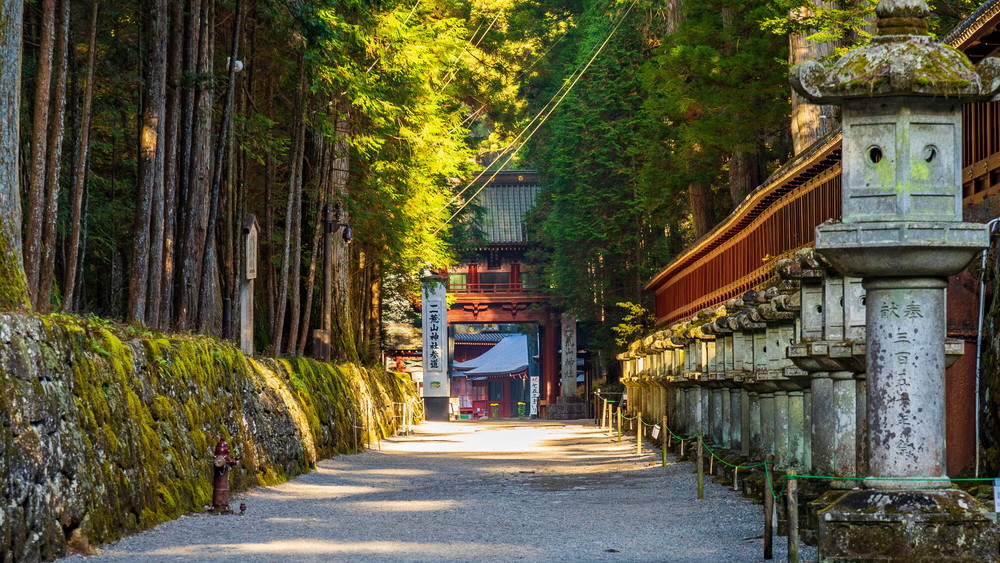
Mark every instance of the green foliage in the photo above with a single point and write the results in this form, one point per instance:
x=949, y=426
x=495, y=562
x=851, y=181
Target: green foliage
x=598, y=244
x=636, y=321
x=848, y=24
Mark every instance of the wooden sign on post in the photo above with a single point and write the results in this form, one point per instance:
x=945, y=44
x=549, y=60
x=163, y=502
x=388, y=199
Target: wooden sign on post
x=250, y=232
x=246, y=284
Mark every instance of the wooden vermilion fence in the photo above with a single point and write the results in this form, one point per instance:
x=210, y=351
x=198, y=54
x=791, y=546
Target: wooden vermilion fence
x=980, y=151
x=779, y=218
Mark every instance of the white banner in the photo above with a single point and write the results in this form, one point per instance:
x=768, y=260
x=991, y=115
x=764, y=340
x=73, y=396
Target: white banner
x=535, y=392
x=435, y=333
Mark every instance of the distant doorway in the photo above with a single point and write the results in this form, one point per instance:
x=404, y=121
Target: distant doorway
x=493, y=366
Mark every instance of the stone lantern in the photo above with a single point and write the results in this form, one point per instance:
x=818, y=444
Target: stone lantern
x=902, y=233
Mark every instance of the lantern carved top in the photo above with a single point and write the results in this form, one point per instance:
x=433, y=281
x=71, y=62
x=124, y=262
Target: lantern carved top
x=902, y=60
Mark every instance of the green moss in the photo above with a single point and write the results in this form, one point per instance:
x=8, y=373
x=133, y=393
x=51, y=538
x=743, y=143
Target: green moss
x=147, y=425
x=13, y=284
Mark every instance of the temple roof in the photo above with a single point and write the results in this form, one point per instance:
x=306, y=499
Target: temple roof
x=508, y=357
x=508, y=196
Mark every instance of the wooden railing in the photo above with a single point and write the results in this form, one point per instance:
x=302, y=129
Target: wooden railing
x=779, y=218
x=781, y=215
x=494, y=288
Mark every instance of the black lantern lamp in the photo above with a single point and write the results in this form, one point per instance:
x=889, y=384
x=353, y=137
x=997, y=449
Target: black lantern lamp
x=333, y=225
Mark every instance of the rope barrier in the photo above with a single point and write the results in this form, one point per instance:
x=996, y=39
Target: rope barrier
x=795, y=476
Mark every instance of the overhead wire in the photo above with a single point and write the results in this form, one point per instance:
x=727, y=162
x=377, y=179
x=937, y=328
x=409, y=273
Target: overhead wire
x=405, y=21
x=565, y=92
x=568, y=82
x=465, y=49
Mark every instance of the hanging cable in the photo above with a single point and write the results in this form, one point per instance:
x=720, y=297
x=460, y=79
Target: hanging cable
x=540, y=123
x=568, y=83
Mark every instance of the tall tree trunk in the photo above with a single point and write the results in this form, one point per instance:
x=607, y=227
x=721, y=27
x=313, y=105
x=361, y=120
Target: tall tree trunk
x=322, y=175
x=80, y=173
x=54, y=163
x=700, y=199
x=746, y=172
x=39, y=151
x=150, y=161
x=295, y=279
x=342, y=338
x=192, y=39
x=199, y=181
x=164, y=299
x=14, y=288
x=295, y=167
x=810, y=122
x=206, y=309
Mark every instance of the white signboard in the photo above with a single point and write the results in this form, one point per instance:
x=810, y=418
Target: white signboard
x=435, y=332
x=535, y=391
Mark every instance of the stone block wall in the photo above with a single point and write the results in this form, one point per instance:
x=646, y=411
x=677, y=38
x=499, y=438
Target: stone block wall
x=104, y=433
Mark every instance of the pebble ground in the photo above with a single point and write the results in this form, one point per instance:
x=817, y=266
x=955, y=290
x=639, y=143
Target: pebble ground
x=475, y=491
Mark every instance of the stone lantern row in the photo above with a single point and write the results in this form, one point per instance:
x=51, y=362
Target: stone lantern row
x=779, y=371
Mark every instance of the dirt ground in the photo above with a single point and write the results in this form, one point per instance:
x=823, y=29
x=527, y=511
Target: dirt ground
x=476, y=491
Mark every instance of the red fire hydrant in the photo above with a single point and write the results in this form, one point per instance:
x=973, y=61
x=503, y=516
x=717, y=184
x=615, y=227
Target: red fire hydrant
x=220, y=485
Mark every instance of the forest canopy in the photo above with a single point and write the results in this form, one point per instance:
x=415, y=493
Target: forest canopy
x=151, y=132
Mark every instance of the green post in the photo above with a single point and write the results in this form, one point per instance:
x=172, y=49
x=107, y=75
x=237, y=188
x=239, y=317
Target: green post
x=663, y=440
x=701, y=470
x=638, y=433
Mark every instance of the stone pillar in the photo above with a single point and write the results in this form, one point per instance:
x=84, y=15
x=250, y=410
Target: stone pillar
x=746, y=418
x=736, y=419
x=727, y=413
x=781, y=423
x=906, y=387
x=861, y=424
x=715, y=415
x=755, y=445
x=767, y=431
x=434, y=311
x=568, y=324
x=843, y=428
x=823, y=432
x=796, y=431
x=902, y=233
x=807, y=428
x=706, y=413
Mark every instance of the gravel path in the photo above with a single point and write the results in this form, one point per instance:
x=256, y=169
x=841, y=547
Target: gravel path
x=474, y=491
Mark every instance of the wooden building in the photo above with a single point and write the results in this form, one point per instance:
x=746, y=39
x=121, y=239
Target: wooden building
x=780, y=217
x=495, y=287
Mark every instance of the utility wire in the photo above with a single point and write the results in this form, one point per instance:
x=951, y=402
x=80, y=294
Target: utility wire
x=406, y=21
x=542, y=121
x=568, y=82
x=454, y=67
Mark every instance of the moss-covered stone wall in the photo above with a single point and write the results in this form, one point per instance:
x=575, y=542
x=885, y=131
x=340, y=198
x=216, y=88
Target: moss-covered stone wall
x=104, y=434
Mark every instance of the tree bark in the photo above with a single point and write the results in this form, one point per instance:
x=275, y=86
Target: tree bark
x=700, y=199
x=39, y=151
x=746, y=172
x=206, y=309
x=80, y=173
x=150, y=161
x=322, y=183
x=810, y=122
x=14, y=288
x=294, y=169
x=199, y=179
x=342, y=339
x=54, y=164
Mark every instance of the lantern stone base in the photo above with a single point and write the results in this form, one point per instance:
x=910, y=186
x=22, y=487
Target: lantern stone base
x=436, y=408
x=917, y=525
